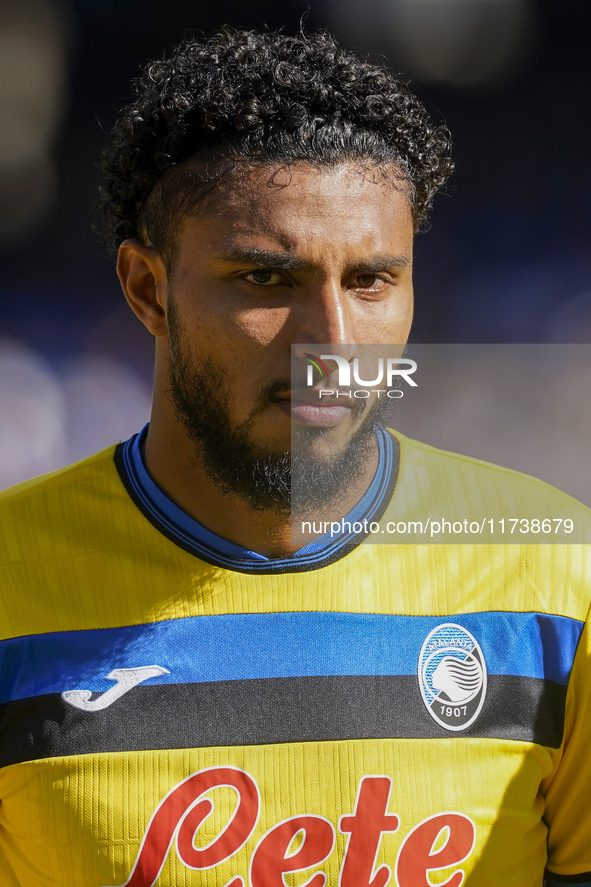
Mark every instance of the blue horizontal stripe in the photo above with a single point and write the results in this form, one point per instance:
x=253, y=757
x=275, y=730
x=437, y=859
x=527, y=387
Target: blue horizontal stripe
x=270, y=645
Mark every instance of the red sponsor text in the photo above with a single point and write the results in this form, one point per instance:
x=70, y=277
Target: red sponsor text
x=441, y=841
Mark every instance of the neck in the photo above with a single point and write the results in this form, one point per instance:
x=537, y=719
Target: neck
x=171, y=461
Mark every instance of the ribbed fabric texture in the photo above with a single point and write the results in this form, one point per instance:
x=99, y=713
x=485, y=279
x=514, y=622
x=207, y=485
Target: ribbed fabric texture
x=78, y=557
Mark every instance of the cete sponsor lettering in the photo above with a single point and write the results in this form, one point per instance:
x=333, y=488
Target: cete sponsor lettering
x=443, y=840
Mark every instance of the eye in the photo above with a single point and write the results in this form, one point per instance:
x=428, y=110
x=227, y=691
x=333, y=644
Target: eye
x=264, y=278
x=371, y=282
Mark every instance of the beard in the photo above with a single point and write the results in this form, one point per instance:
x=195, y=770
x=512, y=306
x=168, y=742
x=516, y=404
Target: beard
x=296, y=482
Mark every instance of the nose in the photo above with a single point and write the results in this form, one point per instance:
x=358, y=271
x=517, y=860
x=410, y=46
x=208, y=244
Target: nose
x=333, y=323
x=326, y=318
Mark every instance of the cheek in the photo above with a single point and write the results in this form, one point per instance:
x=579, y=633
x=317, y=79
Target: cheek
x=402, y=307
x=259, y=327
x=388, y=325
x=407, y=311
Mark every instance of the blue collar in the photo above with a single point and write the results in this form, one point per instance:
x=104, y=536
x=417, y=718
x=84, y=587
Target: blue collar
x=182, y=529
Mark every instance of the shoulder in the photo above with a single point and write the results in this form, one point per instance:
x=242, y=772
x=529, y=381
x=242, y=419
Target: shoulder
x=53, y=487
x=468, y=482
x=417, y=452
x=488, y=530
x=59, y=477
x=64, y=537
x=48, y=516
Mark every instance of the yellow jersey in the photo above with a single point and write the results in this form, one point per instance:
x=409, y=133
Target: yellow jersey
x=177, y=713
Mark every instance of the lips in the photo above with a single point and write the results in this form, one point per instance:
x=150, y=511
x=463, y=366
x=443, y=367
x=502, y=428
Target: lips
x=307, y=408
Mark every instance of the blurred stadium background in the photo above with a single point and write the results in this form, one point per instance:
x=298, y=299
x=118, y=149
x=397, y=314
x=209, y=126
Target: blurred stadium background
x=507, y=260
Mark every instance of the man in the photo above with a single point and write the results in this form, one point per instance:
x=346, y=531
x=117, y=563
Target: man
x=266, y=707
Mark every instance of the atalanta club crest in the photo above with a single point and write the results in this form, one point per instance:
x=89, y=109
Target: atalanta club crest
x=452, y=676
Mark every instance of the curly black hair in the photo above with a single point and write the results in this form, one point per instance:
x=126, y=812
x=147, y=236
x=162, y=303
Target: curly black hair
x=241, y=98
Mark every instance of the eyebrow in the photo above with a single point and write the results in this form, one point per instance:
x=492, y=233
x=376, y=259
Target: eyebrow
x=381, y=263
x=287, y=262
x=265, y=258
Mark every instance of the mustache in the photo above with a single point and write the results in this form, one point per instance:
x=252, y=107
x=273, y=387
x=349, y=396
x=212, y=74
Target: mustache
x=272, y=390
x=276, y=388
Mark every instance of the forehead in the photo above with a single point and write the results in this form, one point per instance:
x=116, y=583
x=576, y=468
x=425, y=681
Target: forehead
x=302, y=208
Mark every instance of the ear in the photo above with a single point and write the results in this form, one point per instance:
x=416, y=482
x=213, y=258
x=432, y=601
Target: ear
x=144, y=282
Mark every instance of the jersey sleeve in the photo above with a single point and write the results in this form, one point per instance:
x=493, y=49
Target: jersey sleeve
x=568, y=788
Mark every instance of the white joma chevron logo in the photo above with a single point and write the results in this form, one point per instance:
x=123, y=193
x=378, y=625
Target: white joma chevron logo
x=126, y=679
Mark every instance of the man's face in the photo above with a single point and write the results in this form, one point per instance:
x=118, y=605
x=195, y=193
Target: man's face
x=310, y=256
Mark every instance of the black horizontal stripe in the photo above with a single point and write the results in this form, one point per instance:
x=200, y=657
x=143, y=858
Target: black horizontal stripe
x=271, y=710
